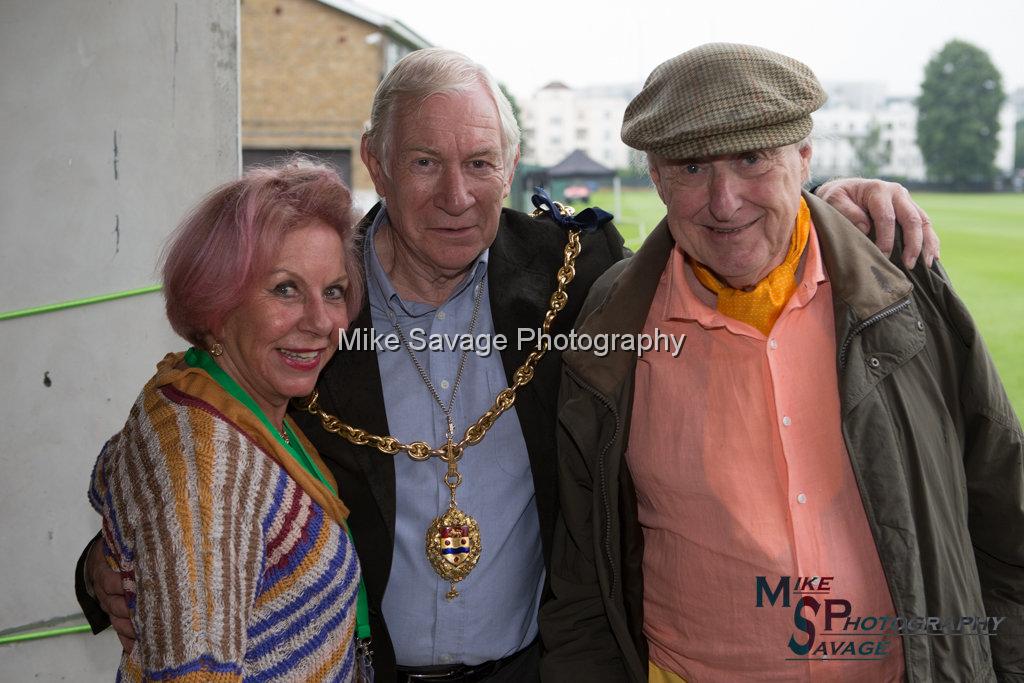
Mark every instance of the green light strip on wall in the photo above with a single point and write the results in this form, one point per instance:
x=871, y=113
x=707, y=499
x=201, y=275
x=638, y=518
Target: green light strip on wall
x=49, y=308
x=36, y=635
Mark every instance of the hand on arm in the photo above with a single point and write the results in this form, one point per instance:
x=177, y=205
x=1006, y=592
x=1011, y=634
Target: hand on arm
x=104, y=584
x=884, y=205
x=98, y=587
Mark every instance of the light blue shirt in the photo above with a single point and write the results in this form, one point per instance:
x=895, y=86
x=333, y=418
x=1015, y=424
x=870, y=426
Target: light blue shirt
x=495, y=614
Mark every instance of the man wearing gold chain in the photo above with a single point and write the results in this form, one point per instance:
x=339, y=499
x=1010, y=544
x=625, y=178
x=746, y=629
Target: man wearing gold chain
x=454, y=549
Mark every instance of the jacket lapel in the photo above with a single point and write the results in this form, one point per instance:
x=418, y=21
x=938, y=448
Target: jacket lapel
x=518, y=295
x=523, y=276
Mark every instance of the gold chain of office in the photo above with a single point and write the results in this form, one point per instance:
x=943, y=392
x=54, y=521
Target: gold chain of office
x=506, y=398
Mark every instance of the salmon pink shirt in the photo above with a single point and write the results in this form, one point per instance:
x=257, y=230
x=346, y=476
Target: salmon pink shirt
x=741, y=471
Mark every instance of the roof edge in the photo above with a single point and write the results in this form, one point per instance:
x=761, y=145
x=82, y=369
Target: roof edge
x=392, y=27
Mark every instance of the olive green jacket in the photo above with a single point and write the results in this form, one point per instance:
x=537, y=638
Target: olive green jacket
x=934, y=443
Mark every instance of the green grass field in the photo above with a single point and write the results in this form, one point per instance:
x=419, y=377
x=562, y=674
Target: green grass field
x=982, y=250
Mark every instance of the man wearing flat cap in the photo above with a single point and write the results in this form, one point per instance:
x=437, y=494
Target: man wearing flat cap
x=827, y=483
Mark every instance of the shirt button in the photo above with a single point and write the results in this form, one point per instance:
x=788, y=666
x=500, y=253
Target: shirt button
x=786, y=420
x=801, y=498
x=773, y=344
x=440, y=315
x=444, y=384
x=874, y=362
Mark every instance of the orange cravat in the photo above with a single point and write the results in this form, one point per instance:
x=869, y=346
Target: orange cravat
x=761, y=306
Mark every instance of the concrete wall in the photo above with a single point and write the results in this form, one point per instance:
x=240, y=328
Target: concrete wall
x=117, y=116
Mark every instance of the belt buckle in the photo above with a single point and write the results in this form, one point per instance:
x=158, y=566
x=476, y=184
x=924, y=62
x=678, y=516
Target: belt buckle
x=454, y=673
x=457, y=672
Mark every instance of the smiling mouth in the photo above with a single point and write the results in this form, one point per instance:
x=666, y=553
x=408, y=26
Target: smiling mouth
x=300, y=355
x=302, y=360
x=729, y=231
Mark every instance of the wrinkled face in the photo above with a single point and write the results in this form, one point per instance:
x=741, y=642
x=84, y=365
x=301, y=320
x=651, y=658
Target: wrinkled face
x=445, y=179
x=734, y=213
x=278, y=340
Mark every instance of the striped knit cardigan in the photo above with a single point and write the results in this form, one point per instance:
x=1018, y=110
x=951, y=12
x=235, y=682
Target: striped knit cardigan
x=234, y=559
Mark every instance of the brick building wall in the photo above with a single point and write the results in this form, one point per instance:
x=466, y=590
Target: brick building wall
x=308, y=74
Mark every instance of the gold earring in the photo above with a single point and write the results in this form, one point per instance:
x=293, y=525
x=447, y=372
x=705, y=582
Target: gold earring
x=216, y=349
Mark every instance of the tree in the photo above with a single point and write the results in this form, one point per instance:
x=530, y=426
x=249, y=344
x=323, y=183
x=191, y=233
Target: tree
x=517, y=112
x=871, y=152
x=958, y=115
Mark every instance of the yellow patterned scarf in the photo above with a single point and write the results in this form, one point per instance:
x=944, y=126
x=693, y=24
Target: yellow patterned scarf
x=762, y=306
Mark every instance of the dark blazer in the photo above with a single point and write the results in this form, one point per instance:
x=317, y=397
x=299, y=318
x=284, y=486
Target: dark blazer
x=522, y=267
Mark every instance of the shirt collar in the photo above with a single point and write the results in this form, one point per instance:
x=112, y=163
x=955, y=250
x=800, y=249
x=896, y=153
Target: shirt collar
x=682, y=304
x=381, y=285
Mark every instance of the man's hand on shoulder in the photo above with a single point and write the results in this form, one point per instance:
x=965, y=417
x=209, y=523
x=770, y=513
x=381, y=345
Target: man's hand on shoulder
x=104, y=584
x=865, y=202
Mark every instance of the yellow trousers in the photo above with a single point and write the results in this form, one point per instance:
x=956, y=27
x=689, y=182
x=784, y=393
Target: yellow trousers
x=655, y=674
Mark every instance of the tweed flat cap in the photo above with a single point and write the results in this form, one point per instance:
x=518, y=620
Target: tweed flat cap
x=722, y=98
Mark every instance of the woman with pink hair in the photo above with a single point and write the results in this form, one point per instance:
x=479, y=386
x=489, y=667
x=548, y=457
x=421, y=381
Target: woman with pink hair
x=219, y=515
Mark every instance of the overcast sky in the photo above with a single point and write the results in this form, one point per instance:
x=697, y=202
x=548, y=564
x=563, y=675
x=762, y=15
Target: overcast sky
x=529, y=43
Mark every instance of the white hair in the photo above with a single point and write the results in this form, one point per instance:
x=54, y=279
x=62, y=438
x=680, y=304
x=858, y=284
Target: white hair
x=428, y=72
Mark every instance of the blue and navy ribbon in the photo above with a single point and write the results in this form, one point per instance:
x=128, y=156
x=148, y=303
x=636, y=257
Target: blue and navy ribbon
x=588, y=220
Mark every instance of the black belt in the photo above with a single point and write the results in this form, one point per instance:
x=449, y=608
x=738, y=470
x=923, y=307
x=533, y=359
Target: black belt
x=463, y=673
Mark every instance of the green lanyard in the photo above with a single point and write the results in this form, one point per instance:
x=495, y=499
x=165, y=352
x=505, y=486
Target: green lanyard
x=198, y=358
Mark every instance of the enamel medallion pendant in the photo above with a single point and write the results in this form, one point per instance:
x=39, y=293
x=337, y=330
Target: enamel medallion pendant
x=453, y=546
